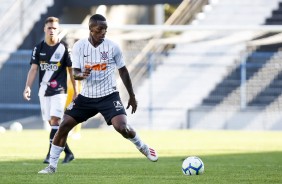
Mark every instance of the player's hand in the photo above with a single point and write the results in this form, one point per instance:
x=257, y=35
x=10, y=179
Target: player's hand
x=86, y=72
x=80, y=75
x=26, y=93
x=133, y=103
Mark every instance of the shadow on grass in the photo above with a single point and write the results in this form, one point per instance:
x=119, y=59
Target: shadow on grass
x=232, y=168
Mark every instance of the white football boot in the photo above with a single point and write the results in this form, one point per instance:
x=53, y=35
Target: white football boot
x=48, y=170
x=150, y=153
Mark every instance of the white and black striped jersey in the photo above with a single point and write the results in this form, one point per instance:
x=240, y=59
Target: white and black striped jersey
x=52, y=62
x=104, y=60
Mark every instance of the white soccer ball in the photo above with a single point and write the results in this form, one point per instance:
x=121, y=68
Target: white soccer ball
x=2, y=129
x=193, y=166
x=16, y=126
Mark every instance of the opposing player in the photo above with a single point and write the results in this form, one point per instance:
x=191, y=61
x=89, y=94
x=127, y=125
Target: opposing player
x=51, y=57
x=94, y=62
x=75, y=133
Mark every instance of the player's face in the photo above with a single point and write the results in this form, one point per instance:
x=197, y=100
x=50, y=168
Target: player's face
x=51, y=30
x=98, y=31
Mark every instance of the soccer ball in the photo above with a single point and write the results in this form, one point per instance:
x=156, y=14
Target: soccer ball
x=16, y=126
x=193, y=166
x=2, y=129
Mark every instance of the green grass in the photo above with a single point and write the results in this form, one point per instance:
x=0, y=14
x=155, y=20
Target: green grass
x=103, y=156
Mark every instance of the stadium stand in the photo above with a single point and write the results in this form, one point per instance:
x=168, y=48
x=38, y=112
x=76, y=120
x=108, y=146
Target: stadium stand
x=211, y=58
x=276, y=18
x=255, y=60
x=256, y=93
x=17, y=18
x=191, y=79
x=5, y=5
x=25, y=19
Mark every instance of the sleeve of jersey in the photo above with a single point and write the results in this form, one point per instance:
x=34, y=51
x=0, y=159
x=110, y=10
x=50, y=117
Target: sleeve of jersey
x=75, y=56
x=68, y=57
x=34, y=56
x=119, y=58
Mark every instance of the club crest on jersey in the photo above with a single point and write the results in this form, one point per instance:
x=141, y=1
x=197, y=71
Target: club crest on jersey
x=118, y=105
x=104, y=55
x=57, y=55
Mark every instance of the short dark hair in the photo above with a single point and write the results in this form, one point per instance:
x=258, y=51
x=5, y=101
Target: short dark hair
x=97, y=17
x=51, y=19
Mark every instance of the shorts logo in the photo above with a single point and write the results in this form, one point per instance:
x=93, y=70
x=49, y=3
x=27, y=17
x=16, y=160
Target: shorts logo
x=70, y=106
x=118, y=105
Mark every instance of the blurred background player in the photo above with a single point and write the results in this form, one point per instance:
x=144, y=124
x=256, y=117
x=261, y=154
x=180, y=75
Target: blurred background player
x=51, y=57
x=75, y=133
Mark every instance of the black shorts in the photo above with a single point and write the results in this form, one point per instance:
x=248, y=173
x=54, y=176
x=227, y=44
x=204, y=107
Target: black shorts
x=83, y=108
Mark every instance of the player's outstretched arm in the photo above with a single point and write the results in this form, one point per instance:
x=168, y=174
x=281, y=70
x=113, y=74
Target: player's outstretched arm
x=74, y=83
x=29, y=81
x=124, y=75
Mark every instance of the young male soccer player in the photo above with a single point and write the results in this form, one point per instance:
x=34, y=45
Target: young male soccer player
x=51, y=57
x=94, y=62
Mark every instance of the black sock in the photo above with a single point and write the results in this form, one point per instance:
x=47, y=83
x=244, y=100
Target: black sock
x=67, y=149
x=51, y=136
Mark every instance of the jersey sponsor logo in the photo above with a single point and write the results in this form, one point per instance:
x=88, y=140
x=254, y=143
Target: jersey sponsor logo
x=85, y=55
x=49, y=67
x=53, y=83
x=118, y=105
x=104, y=55
x=42, y=54
x=97, y=67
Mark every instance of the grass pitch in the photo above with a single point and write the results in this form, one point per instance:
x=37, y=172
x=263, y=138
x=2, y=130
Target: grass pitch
x=103, y=156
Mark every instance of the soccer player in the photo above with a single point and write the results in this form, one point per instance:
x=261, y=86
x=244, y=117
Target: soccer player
x=94, y=62
x=51, y=57
x=75, y=134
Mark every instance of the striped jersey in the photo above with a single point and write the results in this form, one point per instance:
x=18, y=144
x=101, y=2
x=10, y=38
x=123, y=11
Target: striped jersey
x=52, y=62
x=104, y=60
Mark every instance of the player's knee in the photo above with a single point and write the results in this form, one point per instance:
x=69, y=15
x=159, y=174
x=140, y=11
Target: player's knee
x=123, y=130
x=55, y=121
x=66, y=126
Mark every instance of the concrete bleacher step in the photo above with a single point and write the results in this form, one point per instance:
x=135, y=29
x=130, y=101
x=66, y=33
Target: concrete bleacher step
x=263, y=100
x=14, y=29
x=181, y=83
